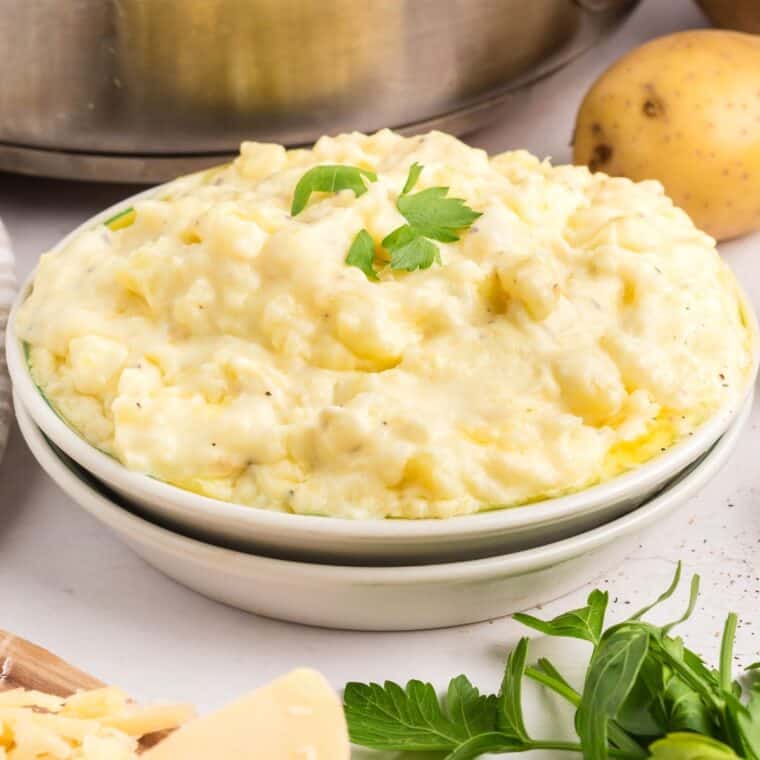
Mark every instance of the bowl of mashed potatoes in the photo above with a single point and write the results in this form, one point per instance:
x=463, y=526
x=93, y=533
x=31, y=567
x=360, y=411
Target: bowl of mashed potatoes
x=385, y=347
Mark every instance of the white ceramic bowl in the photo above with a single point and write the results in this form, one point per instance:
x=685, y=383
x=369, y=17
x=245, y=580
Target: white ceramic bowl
x=379, y=598
x=359, y=541
x=7, y=289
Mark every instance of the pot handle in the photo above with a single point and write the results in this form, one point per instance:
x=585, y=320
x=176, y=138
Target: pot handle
x=602, y=6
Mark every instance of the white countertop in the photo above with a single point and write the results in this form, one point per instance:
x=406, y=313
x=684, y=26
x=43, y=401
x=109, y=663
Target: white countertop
x=67, y=584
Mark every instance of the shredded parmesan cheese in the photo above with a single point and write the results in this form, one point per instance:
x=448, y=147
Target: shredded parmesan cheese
x=101, y=724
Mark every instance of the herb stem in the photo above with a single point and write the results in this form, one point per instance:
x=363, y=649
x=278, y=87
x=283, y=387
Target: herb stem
x=560, y=688
x=575, y=747
x=557, y=745
x=617, y=735
x=727, y=651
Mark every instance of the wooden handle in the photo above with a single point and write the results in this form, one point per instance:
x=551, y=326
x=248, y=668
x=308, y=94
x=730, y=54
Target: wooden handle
x=23, y=664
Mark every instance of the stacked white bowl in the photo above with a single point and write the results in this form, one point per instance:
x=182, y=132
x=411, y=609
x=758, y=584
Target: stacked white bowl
x=370, y=574
x=7, y=288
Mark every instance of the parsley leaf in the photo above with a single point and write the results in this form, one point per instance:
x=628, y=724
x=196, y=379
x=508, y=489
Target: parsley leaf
x=409, y=250
x=329, y=178
x=467, y=706
x=361, y=254
x=431, y=214
x=389, y=717
x=510, y=717
x=645, y=694
x=411, y=180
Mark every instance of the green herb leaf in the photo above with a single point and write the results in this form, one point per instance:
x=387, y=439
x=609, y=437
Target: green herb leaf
x=361, y=254
x=685, y=710
x=645, y=693
x=584, y=623
x=693, y=596
x=389, y=717
x=546, y=673
x=684, y=746
x=689, y=667
x=431, y=214
x=468, y=708
x=669, y=591
x=642, y=713
x=510, y=715
x=749, y=723
x=727, y=651
x=329, y=178
x=612, y=672
x=414, y=174
x=409, y=250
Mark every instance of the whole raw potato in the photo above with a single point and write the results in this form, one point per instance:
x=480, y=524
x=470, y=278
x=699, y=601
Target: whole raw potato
x=683, y=109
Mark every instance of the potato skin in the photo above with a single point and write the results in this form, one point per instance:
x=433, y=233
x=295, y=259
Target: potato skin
x=683, y=109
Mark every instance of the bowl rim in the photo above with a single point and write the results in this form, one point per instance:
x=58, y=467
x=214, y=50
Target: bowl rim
x=124, y=522
x=533, y=514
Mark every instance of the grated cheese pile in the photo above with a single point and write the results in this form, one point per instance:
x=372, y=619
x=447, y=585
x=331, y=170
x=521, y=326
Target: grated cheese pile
x=101, y=724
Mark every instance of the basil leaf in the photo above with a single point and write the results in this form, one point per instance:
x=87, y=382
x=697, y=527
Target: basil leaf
x=584, y=623
x=361, y=254
x=329, y=178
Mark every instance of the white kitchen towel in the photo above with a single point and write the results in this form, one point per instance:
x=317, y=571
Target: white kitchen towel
x=7, y=290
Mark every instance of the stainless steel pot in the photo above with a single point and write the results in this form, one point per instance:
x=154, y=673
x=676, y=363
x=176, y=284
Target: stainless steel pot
x=141, y=90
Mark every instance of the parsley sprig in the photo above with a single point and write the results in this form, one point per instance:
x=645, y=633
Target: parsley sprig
x=329, y=178
x=645, y=695
x=430, y=216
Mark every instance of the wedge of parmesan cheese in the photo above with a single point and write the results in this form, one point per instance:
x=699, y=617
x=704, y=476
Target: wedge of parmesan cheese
x=297, y=717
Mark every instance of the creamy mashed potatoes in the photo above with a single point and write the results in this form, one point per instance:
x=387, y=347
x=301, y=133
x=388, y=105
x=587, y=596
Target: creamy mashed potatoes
x=579, y=328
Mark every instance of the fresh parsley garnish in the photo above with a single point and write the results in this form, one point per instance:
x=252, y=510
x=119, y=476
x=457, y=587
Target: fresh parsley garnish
x=409, y=250
x=329, y=178
x=411, y=180
x=361, y=254
x=645, y=695
x=430, y=215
